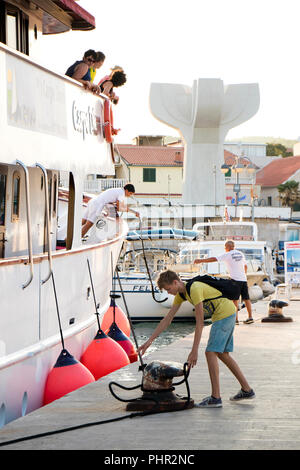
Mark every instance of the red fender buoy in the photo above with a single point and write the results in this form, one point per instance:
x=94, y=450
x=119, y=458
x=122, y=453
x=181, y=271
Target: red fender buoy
x=108, y=121
x=120, y=319
x=67, y=375
x=117, y=335
x=103, y=356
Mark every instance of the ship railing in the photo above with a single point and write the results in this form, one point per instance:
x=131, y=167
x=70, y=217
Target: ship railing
x=28, y=215
x=44, y=171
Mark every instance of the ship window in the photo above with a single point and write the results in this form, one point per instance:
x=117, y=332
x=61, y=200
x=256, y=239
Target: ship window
x=50, y=195
x=149, y=175
x=12, y=31
x=16, y=197
x=14, y=27
x=2, y=198
x=54, y=195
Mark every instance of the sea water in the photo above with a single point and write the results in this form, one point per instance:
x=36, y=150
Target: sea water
x=174, y=332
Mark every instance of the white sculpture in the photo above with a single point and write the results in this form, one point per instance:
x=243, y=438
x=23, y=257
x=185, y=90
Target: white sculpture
x=203, y=115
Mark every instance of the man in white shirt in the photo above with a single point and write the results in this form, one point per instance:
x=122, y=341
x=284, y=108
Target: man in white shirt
x=110, y=196
x=236, y=266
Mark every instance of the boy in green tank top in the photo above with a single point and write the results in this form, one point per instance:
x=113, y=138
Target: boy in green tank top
x=220, y=342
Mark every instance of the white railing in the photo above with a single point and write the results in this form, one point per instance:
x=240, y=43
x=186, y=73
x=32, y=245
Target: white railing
x=100, y=184
x=97, y=185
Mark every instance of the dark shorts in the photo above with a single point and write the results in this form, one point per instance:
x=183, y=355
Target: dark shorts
x=243, y=289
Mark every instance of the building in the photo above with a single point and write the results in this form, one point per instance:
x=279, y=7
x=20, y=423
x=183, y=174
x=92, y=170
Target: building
x=275, y=173
x=157, y=173
x=257, y=152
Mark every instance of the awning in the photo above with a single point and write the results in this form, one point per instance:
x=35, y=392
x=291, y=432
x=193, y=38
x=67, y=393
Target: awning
x=63, y=15
x=82, y=20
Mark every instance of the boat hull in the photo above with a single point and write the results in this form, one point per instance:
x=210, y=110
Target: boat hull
x=31, y=341
x=141, y=305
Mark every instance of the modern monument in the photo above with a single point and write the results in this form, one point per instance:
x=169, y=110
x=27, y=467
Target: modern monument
x=203, y=114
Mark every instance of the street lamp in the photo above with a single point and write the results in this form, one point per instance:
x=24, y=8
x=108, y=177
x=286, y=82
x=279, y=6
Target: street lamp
x=251, y=169
x=237, y=168
x=225, y=168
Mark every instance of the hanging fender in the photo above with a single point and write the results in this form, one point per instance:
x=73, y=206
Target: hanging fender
x=109, y=130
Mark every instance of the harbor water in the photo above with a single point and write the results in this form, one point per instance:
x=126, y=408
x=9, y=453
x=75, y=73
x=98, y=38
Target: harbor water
x=175, y=331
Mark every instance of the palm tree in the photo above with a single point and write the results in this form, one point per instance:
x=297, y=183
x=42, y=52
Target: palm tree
x=289, y=193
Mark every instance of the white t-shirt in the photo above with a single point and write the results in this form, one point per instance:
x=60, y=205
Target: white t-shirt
x=95, y=205
x=235, y=263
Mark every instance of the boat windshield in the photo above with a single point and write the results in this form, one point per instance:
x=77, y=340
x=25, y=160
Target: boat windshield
x=252, y=254
x=188, y=256
x=224, y=232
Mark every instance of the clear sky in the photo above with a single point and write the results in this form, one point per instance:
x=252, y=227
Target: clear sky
x=172, y=41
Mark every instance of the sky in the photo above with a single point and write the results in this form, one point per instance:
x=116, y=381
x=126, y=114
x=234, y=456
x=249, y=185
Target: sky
x=172, y=41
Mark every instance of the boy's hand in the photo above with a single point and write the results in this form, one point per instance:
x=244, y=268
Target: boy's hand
x=142, y=349
x=192, y=358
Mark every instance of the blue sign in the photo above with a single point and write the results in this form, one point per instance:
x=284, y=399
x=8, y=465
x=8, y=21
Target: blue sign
x=242, y=198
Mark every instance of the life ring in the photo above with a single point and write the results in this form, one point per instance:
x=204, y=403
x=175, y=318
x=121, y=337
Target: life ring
x=108, y=121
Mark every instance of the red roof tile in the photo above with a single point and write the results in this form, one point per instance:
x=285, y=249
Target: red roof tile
x=161, y=156
x=278, y=171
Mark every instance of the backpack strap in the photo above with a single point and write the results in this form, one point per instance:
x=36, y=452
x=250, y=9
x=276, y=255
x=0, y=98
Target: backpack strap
x=188, y=289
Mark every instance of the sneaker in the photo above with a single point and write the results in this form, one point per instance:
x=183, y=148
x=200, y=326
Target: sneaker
x=248, y=321
x=209, y=402
x=242, y=395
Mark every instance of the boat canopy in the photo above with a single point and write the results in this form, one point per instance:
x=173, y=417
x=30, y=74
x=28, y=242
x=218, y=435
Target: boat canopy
x=162, y=233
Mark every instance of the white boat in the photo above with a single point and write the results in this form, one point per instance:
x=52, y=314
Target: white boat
x=138, y=272
x=144, y=300
x=210, y=243
x=49, y=124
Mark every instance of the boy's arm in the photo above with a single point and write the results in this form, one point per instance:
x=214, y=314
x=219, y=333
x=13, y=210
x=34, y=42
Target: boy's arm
x=122, y=207
x=163, y=324
x=199, y=315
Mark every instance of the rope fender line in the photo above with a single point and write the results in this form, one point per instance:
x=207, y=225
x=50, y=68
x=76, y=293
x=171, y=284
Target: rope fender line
x=148, y=270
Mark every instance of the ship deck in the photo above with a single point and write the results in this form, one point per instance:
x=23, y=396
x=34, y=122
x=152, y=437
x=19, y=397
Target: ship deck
x=268, y=354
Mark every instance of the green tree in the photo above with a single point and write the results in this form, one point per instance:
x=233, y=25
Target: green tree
x=278, y=149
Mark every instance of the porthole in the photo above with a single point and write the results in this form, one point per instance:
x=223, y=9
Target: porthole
x=24, y=403
x=2, y=415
